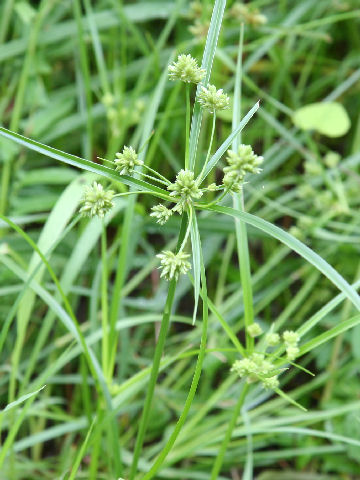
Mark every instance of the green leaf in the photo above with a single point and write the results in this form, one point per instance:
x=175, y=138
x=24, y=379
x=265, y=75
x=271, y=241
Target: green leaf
x=328, y=118
x=298, y=247
x=84, y=164
x=207, y=61
x=196, y=255
x=21, y=399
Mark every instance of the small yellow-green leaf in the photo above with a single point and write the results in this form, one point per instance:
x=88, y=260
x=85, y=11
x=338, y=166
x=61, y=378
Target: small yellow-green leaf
x=327, y=118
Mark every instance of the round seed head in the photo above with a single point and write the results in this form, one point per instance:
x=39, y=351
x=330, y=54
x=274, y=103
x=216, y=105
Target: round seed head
x=254, y=330
x=213, y=100
x=186, y=69
x=161, y=213
x=173, y=264
x=272, y=339
x=290, y=337
x=127, y=160
x=186, y=188
x=96, y=201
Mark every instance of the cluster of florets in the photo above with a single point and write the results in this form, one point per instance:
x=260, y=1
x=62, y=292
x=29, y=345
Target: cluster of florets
x=256, y=368
x=238, y=165
x=291, y=340
x=186, y=69
x=161, y=213
x=127, y=160
x=186, y=188
x=213, y=100
x=173, y=264
x=96, y=201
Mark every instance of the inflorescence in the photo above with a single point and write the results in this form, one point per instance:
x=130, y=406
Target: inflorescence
x=260, y=367
x=127, y=160
x=173, y=264
x=213, y=100
x=96, y=201
x=186, y=190
x=186, y=69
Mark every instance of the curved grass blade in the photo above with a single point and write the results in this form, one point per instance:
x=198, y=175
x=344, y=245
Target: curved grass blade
x=222, y=149
x=84, y=164
x=196, y=255
x=297, y=247
x=207, y=61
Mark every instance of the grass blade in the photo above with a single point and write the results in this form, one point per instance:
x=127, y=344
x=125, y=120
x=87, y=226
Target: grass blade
x=84, y=164
x=207, y=61
x=297, y=247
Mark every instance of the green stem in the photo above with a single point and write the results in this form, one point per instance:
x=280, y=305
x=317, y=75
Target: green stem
x=156, y=364
x=164, y=179
x=187, y=231
x=220, y=456
x=187, y=127
x=104, y=302
x=198, y=368
x=199, y=180
x=238, y=203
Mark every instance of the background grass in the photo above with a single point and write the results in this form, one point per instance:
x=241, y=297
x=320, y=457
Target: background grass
x=88, y=77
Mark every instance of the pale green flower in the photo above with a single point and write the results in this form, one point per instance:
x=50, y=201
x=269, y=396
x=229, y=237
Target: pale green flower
x=272, y=339
x=186, y=188
x=186, y=69
x=292, y=352
x=127, y=160
x=212, y=99
x=96, y=201
x=256, y=368
x=238, y=165
x=173, y=264
x=162, y=213
x=254, y=330
x=290, y=337
x=270, y=383
x=233, y=181
x=243, y=161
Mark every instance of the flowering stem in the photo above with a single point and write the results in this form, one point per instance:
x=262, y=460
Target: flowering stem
x=220, y=456
x=156, y=363
x=164, y=179
x=187, y=127
x=199, y=180
x=153, y=178
x=238, y=203
x=195, y=381
x=104, y=301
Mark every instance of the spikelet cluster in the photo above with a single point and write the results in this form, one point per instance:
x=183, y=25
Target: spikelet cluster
x=186, y=69
x=127, y=160
x=96, y=201
x=186, y=188
x=257, y=368
x=173, y=264
x=213, y=100
x=238, y=165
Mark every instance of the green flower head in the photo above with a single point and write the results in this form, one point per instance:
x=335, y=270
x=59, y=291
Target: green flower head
x=162, y=213
x=256, y=368
x=254, y=330
x=173, y=264
x=127, y=160
x=213, y=100
x=96, y=201
x=186, y=188
x=186, y=69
